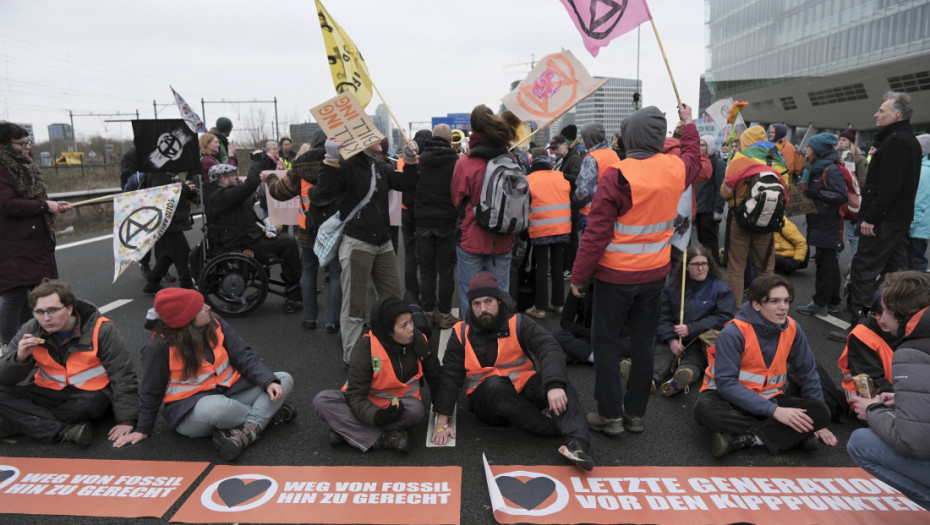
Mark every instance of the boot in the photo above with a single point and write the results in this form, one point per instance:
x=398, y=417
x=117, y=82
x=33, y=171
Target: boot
x=723, y=444
x=394, y=440
x=80, y=434
x=577, y=453
x=287, y=412
x=233, y=441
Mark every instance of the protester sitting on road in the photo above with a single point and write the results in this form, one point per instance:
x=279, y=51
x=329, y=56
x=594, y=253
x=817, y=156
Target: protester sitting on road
x=513, y=371
x=207, y=377
x=791, y=251
x=895, y=448
x=381, y=398
x=233, y=225
x=868, y=351
x=27, y=228
x=83, y=370
x=743, y=400
x=680, y=355
x=574, y=334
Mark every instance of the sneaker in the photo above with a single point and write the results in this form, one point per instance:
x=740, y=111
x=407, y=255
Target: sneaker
x=309, y=325
x=332, y=328
x=678, y=382
x=151, y=288
x=837, y=335
x=556, y=309
x=292, y=305
x=447, y=321
x=533, y=312
x=335, y=438
x=625, y=368
x=80, y=434
x=633, y=424
x=835, y=308
x=287, y=412
x=575, y=452
x=813, y=309
x=723, y=444
x=605, y=425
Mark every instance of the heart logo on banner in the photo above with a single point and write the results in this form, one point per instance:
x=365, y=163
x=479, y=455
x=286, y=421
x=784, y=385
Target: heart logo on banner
x=8, y=474
x=234, y=491
x=527, y=494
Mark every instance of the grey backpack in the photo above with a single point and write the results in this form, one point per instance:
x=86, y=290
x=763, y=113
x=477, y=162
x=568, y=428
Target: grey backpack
x=504, y=206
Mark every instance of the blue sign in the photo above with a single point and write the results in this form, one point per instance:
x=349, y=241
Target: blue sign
x=454, y=121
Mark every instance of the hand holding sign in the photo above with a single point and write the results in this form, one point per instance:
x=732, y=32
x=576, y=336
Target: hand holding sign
x=342, y=118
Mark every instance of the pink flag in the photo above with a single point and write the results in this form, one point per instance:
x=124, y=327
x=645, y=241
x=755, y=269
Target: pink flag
x=600, y=21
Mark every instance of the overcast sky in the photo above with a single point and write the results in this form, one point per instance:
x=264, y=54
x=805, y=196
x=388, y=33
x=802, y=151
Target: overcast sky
x=427, y=57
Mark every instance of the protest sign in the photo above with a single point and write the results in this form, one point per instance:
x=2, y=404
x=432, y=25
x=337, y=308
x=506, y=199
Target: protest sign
x=343, y=117
x=798, y=203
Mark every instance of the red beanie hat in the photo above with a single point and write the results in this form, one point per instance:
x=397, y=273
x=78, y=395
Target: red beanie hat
x=484, y=284
x=177, y=307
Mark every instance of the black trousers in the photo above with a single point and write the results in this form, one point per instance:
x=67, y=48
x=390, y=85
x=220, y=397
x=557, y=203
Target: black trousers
x=707, y=233
x=284, y=248
x=411, y=262
x=692, y=358
x=879, y=255
x=436, y=255
x=172, y=249
x=44, y=413
x=497, y=402
x=544, y=253
x=717, y=415
x=826, y=277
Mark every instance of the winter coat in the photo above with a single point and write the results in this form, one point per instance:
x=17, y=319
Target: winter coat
x=26, y=244
x=404, y=360
x=906, y=426
x=230, y=211
x=709, y=304
x=207, y=162
x=790, y=242
x=920, y=226
x=123, y=390
x=156, y=371
x=707, y=193
x=570, y=165
x=729, y=354
x=827, y=188
x=862, y=165
x=433, y=199
x=304, y=168
x=894, y=173
x=466, y=193
x=537, y=343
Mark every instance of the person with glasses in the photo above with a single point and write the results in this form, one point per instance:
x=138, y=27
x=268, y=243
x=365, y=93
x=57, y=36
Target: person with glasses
x=682, y=346
x=82, y=369
x=27, y=228
x=743, y=400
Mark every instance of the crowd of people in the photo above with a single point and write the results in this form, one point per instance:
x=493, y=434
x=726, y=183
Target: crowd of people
x=599, y=215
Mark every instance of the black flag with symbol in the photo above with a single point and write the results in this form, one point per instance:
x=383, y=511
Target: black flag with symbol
x=165, y=146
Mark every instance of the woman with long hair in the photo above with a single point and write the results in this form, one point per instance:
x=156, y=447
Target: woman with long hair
x=681, y=352
x=27, y=233
x=207, y=377
x=209, y=153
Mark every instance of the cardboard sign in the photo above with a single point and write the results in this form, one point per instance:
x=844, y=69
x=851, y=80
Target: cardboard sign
x=85, y=487
x=798, y=203
x=326, y=495
x=343, y=117
x=687, y=495
x=282, y=212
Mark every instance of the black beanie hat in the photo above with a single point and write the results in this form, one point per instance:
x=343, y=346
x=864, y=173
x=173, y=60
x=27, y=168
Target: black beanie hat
x=388, y=312
x=484, y=284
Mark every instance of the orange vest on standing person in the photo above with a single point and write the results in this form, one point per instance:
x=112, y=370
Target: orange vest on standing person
x=873, y=341
x=511, y=361
x=766, y=382
x=303, y=220
x=643, y=235
x=606, y=158
x=385, y=385
x=219, y=373
x=81, y=369
x=550, y=207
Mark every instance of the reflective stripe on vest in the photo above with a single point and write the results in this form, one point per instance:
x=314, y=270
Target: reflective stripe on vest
x=511, y=360
x=874, y=342
x=642, y=236
x=606, y=158
x=304, y=215
x=385, y=385
x=753, y=374
x=81, y=369
x=209, y=376
x=550, y=207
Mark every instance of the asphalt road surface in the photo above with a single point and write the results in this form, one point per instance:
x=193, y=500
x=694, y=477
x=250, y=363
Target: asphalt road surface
x=314, y=359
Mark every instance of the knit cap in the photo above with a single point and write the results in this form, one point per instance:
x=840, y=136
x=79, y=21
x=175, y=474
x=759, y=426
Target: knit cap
x=822, y=142
x=849, y=133
x=218, y=170
x=484, y=284
x=178, y=307
x=711, y=142
x=224, y=125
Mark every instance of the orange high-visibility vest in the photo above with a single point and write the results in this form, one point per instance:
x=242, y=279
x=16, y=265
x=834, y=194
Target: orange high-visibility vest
x=643, y=235
x=511, y=361
x=81, y=369
x=606, y=158
x=385, y=385
x=209, y=376
x=873, y=341
x=767, y=382
x=550, y=207
x=303, y=220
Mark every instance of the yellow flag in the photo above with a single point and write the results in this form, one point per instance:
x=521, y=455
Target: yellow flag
x=345, y=61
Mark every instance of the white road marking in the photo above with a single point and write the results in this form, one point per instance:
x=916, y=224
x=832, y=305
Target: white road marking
x=114, y=305
x=432, y=429
x=81, y=243
x=835, y=321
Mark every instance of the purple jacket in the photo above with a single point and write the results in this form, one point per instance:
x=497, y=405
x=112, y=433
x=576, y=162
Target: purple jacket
x=25, y=242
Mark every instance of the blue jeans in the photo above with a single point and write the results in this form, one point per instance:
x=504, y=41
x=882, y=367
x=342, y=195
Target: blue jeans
x=917, y=254
x=219, y=411
x=851, y=237
x=471, y=264
x=310, y=267
x=910, y=476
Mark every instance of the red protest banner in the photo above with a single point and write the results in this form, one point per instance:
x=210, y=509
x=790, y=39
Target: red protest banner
x=326, y=495
x=86, y=487
x=687, y=495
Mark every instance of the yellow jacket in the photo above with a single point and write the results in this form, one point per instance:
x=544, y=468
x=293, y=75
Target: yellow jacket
x=789, y=242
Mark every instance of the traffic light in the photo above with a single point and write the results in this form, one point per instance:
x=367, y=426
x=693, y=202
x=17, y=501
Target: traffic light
x=635, y=101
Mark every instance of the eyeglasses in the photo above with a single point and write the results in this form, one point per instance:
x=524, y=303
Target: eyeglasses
x=48, y=311
x=699, y=264
x=23, y=143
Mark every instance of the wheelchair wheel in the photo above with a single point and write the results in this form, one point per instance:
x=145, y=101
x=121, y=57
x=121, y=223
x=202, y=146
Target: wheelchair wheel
x=233, y=284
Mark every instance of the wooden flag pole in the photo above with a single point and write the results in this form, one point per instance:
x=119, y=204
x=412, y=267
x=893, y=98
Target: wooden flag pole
x=665, y=58
x=391, y=113
x=94, y=200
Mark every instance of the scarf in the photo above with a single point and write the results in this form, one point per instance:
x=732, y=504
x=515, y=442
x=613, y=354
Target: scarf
x=27, y=181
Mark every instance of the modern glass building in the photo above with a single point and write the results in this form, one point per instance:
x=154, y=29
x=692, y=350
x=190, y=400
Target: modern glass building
x=610, y=104
x=821, y=62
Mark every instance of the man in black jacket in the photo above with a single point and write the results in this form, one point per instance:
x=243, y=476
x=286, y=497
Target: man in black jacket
x=569, y=164
x=172, y=248
x=887, y=201
x=233, y=225
x=513, y=371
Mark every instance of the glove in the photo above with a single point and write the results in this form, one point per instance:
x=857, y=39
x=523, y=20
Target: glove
x=389, y=414
x=810, y=194
x=718, y=216
x=332, y=148
x=791, y=265
x=411, y=149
